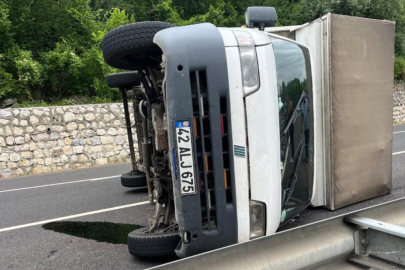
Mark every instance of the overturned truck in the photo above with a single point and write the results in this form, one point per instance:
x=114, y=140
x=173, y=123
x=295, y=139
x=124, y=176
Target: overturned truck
x=240, y=129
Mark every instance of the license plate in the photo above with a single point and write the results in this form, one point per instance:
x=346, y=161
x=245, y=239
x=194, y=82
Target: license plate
x=186, y=160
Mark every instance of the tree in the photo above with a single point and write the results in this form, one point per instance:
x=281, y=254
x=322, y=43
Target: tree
x=393, y=10
x=50, y=50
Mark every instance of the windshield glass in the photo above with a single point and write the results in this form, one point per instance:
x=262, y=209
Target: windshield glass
x=294, y=84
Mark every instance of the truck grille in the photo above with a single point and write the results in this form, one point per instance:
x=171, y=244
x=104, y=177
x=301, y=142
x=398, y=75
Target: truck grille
x=203, y=143
x=225, y=149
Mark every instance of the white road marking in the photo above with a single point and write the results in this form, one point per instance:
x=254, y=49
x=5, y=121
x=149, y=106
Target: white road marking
x=72, y=216
x=58, y=184
x=398, y=153
x=399, y=132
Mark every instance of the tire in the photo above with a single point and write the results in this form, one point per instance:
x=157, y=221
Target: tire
x=152, y=245
x=123, y=80
x=131, y=179
x=128, y=46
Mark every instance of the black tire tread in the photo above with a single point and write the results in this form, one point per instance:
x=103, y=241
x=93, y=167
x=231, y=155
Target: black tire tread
x=153, y=245
x=134, y=38
x=123, y=79
x=129, y=180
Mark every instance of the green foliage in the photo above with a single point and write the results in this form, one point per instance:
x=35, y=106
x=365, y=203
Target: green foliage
x=95, y=67
x=399, y=68
x=7, y=83
x=167, y=13
x=29, y=72
x=50, y=50
x=6, y=35
x=62, y=68
x=219, y=13
x=58, y=57
x=117, y=18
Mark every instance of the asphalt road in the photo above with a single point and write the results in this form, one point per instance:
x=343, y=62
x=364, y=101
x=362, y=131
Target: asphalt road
x=33, y=247
x=82, y=199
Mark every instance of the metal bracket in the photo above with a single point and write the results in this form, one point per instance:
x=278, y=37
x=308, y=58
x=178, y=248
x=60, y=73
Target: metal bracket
x=380, y=245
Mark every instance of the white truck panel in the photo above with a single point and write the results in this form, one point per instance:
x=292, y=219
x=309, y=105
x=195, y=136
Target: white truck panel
x=239, y=136
x=228, y=37
x=264, y=140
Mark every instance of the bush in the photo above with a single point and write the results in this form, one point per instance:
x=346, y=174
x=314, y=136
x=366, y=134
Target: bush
x=399, y=68
x=56, y=53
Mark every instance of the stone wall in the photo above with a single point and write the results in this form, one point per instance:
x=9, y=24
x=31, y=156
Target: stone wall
x=37, y=140
x=399, y=102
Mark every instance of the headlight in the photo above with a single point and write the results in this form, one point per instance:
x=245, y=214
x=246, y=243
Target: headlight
x=248, y=58
x=257, y=219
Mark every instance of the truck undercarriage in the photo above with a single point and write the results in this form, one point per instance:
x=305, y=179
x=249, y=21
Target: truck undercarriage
x=174, y=101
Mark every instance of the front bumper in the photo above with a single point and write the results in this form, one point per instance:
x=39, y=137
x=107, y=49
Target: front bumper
x=197, y=91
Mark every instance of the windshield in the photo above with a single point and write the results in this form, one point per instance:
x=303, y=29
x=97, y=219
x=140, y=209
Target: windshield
x=294, y=85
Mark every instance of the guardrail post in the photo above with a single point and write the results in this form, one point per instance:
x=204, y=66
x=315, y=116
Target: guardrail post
x=380, y=246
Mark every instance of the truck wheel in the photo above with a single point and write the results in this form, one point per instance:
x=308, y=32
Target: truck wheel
x=129, y=45
x=131, y=179
x=123, y=80
x=152, y=244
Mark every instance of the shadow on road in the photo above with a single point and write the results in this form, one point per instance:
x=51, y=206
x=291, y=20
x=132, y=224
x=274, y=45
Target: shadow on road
x=137, y=190
x=107, y=232
x=113, y=233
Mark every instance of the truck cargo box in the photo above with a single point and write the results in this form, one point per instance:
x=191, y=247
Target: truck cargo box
x=353, y=61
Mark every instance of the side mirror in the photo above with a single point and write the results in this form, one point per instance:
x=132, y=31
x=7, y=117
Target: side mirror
x=261, y=17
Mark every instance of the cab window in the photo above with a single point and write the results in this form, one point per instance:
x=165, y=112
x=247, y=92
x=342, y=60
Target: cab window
x=294, y=86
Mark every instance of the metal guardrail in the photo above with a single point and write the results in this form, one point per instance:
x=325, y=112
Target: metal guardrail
x=371, y=238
